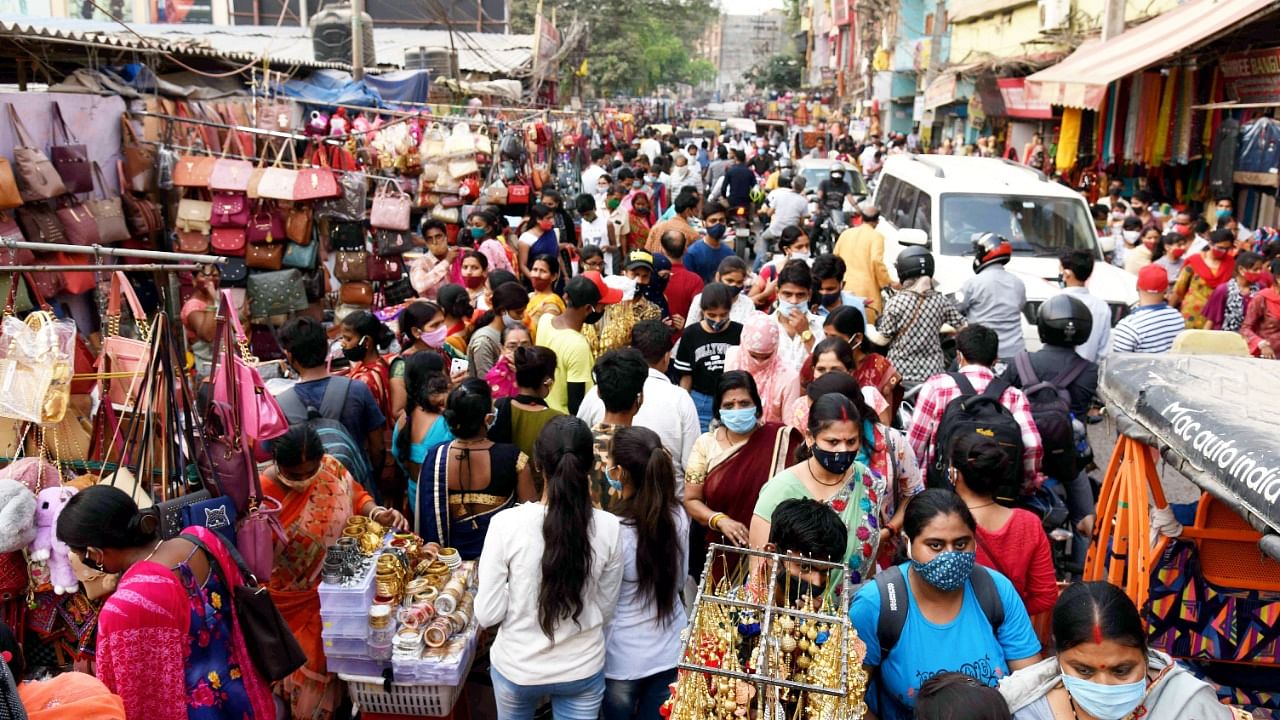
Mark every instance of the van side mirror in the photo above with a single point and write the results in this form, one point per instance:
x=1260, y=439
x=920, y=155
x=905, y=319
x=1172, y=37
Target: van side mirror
x=912, y=236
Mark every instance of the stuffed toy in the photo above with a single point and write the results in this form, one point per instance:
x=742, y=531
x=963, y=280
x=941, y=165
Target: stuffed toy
x=318, y=124
x=17, y=515
x=338, y=124
x=34, y=473
x=46, y=546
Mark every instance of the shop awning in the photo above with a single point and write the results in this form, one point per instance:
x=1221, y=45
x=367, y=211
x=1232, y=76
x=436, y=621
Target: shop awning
x=1081, y=79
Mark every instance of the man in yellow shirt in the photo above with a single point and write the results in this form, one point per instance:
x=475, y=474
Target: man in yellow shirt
x=585, y=297
x=862, y=249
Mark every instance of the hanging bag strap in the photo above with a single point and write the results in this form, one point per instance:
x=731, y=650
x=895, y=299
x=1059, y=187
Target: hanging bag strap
x=60, y=128
x=99, y=182
x=24, y=137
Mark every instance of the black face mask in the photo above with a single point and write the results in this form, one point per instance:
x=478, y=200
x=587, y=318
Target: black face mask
x=593, y=317
x=734, y=291
x=834, y=462
x=354, y=354
x=798, y=589
x=829, y=299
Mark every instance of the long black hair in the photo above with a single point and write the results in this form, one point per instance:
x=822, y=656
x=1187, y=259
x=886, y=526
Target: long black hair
x=366, y=324
x=467, y=407
x=423, y=378
x=649, y=510
x=981, y=461
x=415, y=316
x=565, y=453
x=1093, y=612
x=104, y=516
x=506, y=297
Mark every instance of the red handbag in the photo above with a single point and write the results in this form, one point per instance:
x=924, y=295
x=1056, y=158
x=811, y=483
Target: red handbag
x=78, y=223
x=230, y=209
x=517, y=194
x=228, y=241
x=385, y=269
x=317, y=183
x=266, y=225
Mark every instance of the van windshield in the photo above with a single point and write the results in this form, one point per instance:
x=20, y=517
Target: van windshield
x=1040, y=226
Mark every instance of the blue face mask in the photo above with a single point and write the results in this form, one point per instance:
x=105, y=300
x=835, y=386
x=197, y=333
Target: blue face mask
x=718, y=326
x=1105, y=702
x=477, y=233
x=947, y=571
x=716, y=231
x=740, y=421
x=785, y=308
x=614, y=484
x=1223, y=213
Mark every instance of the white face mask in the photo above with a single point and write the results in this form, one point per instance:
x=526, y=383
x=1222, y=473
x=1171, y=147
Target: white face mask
x=1131, y=236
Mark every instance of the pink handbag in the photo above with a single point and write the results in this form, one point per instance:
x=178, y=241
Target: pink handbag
x=317, y=183
x=260, y=416
x=266, y=225
x=228, y=241
x=122, y=354
x=391, y=207
x=230, y=209
x=231, y=174
x=277, y=183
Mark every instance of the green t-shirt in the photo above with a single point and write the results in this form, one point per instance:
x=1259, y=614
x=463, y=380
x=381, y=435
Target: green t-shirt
x=573, y=361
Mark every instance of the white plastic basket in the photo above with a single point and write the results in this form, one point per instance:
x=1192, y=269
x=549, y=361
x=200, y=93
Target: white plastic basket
x=369, y=695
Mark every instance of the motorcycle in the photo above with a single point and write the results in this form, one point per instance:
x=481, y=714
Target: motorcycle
x=741, y=224
x=827, y=230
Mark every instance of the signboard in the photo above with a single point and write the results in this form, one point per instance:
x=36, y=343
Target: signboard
x=941, y=91
x=1252, y=77
x=1018, y=105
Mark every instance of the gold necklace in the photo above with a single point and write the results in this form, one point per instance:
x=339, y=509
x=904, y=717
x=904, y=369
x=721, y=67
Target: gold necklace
x=153, y=551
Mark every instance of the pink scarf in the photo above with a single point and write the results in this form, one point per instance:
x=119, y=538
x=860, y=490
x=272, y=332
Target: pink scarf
x=760, y=335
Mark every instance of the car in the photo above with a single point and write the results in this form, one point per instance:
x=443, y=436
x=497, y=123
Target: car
x=941, y=202
x=815, y=170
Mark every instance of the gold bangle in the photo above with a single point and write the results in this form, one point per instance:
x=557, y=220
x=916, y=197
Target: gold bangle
x=714, y=522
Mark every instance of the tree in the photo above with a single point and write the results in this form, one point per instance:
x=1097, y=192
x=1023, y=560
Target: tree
x=780, y=72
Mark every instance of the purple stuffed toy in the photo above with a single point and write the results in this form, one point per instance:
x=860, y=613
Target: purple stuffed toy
x=47, y=546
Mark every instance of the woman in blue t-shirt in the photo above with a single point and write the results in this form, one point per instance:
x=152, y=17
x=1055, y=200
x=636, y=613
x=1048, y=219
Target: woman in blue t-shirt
x=945, y=627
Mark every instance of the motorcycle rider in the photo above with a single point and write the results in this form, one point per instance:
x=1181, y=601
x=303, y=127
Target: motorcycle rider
x=832, y=192
x=785, y=207
x=912, y=319
x=993, y=296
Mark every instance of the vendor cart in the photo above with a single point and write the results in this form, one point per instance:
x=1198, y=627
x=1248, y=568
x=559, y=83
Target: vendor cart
x=1209, y=591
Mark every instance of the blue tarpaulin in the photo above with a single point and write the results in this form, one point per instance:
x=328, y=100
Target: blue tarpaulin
x=401, y=85
x=333, y=87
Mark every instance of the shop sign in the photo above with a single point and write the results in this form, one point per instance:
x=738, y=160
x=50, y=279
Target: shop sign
x=1018, y=105
x=1252, y=77
x=941, y=91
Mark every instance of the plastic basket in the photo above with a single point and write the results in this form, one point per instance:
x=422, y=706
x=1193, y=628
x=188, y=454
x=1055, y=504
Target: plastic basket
x=370, y=695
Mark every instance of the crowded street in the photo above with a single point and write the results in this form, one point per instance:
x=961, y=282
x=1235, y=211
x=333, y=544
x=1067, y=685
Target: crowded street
x=670, y=360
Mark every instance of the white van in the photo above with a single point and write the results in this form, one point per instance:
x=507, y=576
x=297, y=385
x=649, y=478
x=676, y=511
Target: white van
x=940, y=201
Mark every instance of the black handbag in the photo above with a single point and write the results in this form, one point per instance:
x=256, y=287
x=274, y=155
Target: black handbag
x=271, y=644
x=398, y=291
x=346, y=235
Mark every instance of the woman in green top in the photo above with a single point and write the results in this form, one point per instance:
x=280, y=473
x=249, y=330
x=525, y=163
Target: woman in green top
x=520, y=419
x=831, y=474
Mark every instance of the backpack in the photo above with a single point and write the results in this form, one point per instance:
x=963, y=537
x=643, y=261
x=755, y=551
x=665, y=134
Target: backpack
x=333, y=434
x=1051, y=409
x=982, y=414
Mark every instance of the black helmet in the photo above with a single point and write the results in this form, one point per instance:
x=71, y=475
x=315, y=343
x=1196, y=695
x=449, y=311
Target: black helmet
x=1064, y=320
x=990, y=248
x=785, y=162
x=785, y=176
x=914, y=262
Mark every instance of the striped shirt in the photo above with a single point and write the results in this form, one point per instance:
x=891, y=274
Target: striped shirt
x=1148, y=329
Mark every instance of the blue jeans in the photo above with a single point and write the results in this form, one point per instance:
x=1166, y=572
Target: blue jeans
x=577, y=700
x=703, y=405
x=638, y=699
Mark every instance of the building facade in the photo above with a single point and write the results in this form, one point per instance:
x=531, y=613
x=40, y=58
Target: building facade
x=737, y=43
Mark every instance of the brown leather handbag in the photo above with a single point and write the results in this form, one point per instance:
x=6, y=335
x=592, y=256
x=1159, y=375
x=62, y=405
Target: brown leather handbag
x=70, y=157
x=385, y=269
x=351, y=265
x=140, y=213
x=10, y=197
x=39, y=223
x=297, y=226
x=265, y=255
x=139, y=160
x=108, y=212
x=192, y=242
x=78, y=223
x=193, y=171
x=37, y=178
x=356, y=293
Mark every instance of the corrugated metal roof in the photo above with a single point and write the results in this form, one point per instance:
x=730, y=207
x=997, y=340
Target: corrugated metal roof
x=487, y=53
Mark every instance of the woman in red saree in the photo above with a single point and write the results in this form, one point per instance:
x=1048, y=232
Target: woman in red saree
x=1201, y=275
x=729, y=464
x=317, y=496
x=363, y=339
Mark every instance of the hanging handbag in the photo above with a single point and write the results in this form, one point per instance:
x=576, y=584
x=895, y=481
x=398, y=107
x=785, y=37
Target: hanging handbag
x=231, y=174
x=518, y=194
x=230, y=209
x=356, y=293
x=122, y=355
x=217, y=513
x=385, y=269
x=277, y=182
x=316, y=283
x=234, y=272
x=84, y=358
x=275, y=115
x=13, y=576
x=36, y=362
x=272, y=646
x=229, y=242
x=346, y=235
x=39, y=223
x=396, y=292
x=266, y=225
x=108, y=212
x=391, y=208
x=257, y=412
x=140, y=214
x=350, y=205
x=70, y=157
x=276, y=293
x=194, y=215
x=317, y=183
x=265, y=255
x=139, y=160
x=10, y=196
x=77, y=222
x=351, y=265
x=446, y=215
x=37, y=178
x=297, y=226
x=302, y=257
x=196, y=243
x=193, y=171
x=387, y=243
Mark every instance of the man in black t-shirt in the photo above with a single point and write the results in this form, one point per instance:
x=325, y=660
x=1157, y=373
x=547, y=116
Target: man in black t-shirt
x=703, y=346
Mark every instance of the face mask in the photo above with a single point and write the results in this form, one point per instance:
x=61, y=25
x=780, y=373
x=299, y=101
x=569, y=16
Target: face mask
x=734, y=292
x=602, y=189
x=1177, y=253
x=836, y=462
x=294, y=485
x=638, y=185
x=1255, y=278
x=546, y=224
x=434, y=338
x=614, y=484
x=473, y=281
x=1105, y=702
x=508, y=321
x=836, y=177
x=786, y=308
x=355, y=354
x=1223, y=213
x=1220, y=254
x=650, y=179
x=947, y=571
x=612, y=203
x=829, y=299
x=719, y=325
x=798, y=590
x=740, y=421
x=1130, y=236
x=477, y=233
x=593, y=317
x=800, y=255
x=1183, y=230
x=716, y=231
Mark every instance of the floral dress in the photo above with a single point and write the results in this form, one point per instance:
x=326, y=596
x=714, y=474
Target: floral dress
x=215, y=687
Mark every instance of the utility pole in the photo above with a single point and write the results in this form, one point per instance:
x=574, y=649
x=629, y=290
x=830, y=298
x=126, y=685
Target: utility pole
x=1112, y=19
x=357, y=40
x=935, y=61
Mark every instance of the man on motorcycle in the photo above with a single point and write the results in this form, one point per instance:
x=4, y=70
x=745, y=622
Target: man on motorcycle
x=833, y=190
x=785, y=207
x=993, y=296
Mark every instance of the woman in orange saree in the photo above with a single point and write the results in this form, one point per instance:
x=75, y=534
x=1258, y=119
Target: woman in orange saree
x=317, y=496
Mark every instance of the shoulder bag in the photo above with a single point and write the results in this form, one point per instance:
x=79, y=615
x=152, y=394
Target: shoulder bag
x=229, y=242
x=196, y=243
x=139, y=160
x=391, y=208
x=351, y=265
x=230, y=209
x=37, y=178
x=316, y=183
x=302, y=257
x=356, y=293
x=70, y=158
x=77, y=222
x=234, y=272
x=346, y=235
x=39, y=223
x=121, y=354
x=108, y=212
x=10, y=197
x=385, y=269
x=256, y=409
x=194, y=215
x=193, y=171
x=266, y=224
x=387, y=243
x=231, y=174
x=297, y=226
x=140, y=213
x=276, y=293
x=272, y=646
x=277, y=182
x=350, y=205
x=267, y=255
x=397, y=291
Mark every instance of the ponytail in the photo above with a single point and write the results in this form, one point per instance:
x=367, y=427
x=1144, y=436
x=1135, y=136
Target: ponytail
x=651, y=511
x=565, y=454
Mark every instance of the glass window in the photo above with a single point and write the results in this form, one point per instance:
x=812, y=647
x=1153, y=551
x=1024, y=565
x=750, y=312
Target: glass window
x=923, y=219
x=904, y=208
x=885, y=197
x=1040, y=226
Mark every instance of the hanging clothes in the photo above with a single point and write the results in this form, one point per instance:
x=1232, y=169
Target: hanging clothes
x=1069, y=139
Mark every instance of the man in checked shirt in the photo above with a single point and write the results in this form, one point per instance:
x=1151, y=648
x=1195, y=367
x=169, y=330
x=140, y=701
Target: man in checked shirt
x=977, y=348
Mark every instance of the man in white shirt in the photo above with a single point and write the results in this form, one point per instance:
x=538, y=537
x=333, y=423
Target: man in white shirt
x=592, y=173
x=801, y=329
x=786, y=205
x=1077, y=267
x=650, y=147
x=665, y=408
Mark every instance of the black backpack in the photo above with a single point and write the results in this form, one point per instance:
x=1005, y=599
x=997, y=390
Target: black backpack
x=984, y=415
x=1051, y=409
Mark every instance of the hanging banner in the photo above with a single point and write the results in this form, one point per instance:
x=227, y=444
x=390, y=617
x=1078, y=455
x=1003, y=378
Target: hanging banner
x=1253, y=76
x=1018, y=105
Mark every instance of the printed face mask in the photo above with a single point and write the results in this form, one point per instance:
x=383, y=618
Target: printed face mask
x=835, y=462
x=948, y=570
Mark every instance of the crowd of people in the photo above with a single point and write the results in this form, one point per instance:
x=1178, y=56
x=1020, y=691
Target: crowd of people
x=584, y=401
